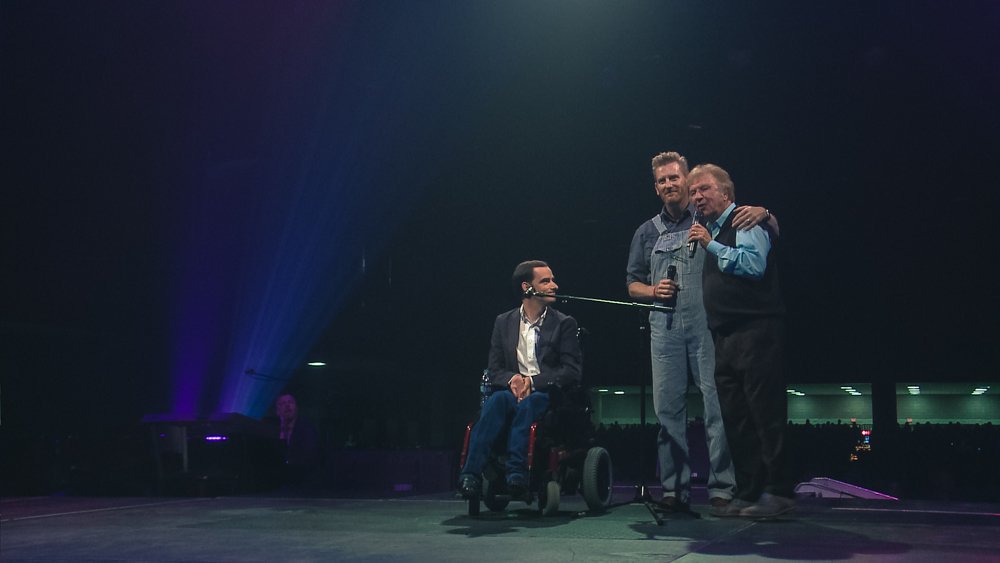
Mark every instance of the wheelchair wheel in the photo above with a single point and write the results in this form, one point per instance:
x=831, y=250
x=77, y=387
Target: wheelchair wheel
x=548, y=498
x=597, y=480
x=491, y=499
x=474, y=506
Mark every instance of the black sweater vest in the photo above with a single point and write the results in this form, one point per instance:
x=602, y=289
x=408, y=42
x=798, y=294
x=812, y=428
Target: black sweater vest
x=731, y=299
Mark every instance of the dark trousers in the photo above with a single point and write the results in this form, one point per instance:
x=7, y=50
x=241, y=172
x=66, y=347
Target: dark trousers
x=750, y=378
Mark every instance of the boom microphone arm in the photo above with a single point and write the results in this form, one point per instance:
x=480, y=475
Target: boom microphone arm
x=650, y=306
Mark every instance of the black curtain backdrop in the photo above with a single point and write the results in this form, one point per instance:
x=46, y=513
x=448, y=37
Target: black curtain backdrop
x=490, y=133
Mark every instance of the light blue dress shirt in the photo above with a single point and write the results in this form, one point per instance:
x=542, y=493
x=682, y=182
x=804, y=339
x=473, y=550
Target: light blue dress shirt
x=749, y=258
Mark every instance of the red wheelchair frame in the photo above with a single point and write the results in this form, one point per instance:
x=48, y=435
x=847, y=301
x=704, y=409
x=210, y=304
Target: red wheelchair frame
x=570, y=466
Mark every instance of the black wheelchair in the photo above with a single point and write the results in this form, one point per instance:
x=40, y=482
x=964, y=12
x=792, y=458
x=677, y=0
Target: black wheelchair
x=563, y=458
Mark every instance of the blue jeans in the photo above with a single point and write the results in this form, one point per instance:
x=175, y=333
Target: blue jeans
x=500, y=408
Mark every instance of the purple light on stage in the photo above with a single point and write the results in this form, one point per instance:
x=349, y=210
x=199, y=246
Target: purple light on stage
x=291, y=186
x=282, y=181
x=204, y=306
x=254, y=301
x=196, y=336
x=216, y=438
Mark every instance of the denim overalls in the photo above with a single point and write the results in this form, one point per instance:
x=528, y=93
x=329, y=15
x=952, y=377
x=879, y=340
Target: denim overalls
x=679, y=340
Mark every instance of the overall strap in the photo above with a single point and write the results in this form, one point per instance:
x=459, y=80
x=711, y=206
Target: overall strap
x=661, y=227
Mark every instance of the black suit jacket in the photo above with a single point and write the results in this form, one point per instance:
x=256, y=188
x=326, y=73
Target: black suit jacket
x=558, y=350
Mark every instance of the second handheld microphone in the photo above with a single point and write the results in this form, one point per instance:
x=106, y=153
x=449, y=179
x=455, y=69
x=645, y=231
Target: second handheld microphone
x=693, y=244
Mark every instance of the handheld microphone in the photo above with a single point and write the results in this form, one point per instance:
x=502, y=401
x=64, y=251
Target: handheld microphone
x=693, y=245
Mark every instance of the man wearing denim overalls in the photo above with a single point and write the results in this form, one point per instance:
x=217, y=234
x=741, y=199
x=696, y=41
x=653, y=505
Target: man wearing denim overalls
x=680, y=341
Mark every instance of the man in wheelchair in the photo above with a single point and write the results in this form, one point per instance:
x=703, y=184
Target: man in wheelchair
x=534, y=349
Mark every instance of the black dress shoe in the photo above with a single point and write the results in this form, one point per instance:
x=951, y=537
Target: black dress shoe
x=671, y=505
x=518, y=490
x=470, y=486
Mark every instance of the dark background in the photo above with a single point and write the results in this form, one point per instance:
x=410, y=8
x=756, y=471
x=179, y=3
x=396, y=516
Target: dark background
x=477, y=135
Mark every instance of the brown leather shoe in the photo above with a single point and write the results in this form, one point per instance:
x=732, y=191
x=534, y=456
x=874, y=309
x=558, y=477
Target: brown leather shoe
x=729, y=509
x=769, y=506
x=718, y=503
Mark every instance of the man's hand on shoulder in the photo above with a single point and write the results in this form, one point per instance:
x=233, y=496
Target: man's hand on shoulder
x=746, y=217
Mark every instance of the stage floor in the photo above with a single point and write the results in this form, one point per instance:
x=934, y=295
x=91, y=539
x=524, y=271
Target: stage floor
x=437, y=528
